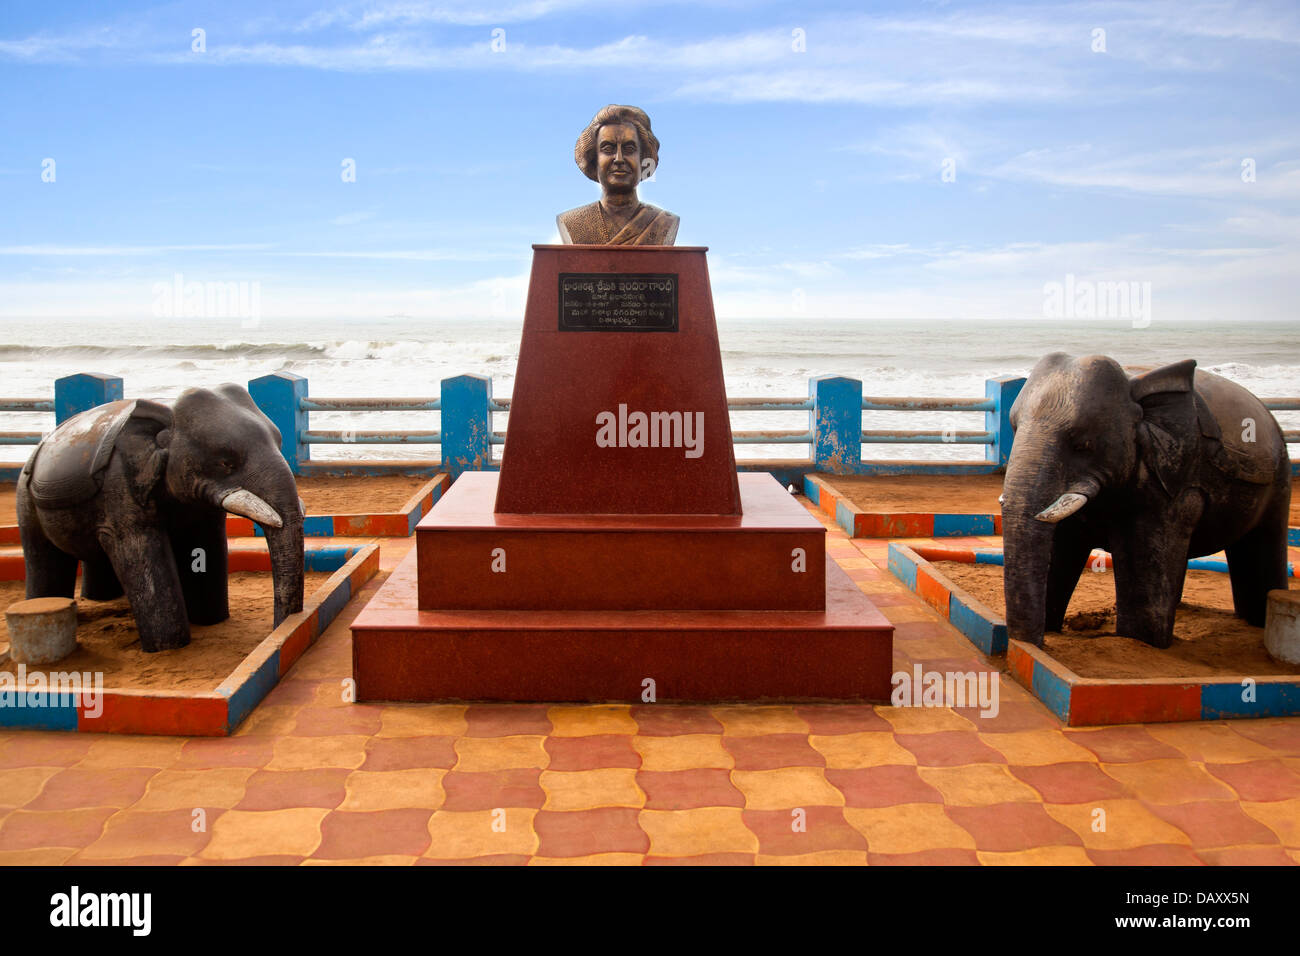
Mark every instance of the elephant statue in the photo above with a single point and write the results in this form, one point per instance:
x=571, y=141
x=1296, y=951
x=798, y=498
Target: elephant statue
x=1165, y=465
x=138, y=493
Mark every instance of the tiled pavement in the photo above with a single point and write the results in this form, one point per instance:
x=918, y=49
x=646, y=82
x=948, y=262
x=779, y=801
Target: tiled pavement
x=310, y=778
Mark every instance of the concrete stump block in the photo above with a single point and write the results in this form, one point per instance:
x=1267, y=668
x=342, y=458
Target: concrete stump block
x=1282, y=626
x=42, y=630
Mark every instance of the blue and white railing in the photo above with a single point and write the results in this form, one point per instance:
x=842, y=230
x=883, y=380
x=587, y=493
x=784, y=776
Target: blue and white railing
x=834, y=406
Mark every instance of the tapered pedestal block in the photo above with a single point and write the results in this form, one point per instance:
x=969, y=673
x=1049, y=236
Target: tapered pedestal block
x=771, y=557
x=402, y=653
x=618, y=556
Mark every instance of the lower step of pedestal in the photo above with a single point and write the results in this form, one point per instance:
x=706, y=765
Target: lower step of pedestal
x=400, y=653
x=472, y=558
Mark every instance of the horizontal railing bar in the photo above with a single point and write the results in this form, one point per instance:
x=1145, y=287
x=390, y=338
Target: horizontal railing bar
x=1282, y=404
x=770, y=404
x=875, y=403
x=26, y=404
x=1291, y=436
x=316, y=404
x=927, y=436
x=371, y=438
x=499, y=405
x=773, y=436
x=21, y=438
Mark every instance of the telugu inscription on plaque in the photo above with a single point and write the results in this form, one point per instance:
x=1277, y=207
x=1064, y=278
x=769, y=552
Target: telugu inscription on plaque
x=618, y=302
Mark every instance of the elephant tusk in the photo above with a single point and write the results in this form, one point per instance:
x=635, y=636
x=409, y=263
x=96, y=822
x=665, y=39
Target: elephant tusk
x=246, y=503
x=1062, y=507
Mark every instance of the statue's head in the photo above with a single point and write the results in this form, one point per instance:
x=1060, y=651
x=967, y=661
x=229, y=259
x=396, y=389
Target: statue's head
x=617, y=149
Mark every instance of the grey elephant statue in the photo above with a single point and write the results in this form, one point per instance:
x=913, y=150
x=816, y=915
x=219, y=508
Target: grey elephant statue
x=1159, y=467
x=138, y=493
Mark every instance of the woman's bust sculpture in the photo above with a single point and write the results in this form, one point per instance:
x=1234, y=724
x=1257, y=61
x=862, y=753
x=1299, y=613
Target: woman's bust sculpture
x=618, y=150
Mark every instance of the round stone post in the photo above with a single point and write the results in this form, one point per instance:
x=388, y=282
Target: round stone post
x=42, y=630
x=1282, y=626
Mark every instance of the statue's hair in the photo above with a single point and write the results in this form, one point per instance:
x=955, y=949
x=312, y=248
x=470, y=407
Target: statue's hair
x=584, y=153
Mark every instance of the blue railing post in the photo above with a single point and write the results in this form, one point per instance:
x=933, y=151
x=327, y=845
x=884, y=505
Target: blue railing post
x=1003, y=390
x=466, y=424
x=835, y=421
x=280, y=396
x=73, y=394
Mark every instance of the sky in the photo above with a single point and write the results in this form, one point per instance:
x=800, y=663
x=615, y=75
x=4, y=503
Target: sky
x=912, y=160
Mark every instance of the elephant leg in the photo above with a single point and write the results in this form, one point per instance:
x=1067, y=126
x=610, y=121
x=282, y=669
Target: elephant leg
x=1070, y=550
x=143, y=561
x=1150, y=570
x=1257, y=565
x=202, y=565
x=99, y=581
x=50, y=572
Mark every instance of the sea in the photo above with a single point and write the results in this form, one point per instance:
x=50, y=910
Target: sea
x=401, y=356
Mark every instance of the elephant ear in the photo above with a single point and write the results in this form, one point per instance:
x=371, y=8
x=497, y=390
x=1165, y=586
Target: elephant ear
x=148, y=437
x=1167, y=434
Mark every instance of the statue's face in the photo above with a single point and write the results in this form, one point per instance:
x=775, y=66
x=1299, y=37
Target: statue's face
x=618, y=158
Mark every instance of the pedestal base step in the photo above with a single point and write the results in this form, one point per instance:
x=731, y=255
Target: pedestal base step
x=769, y=558
x=400, y=653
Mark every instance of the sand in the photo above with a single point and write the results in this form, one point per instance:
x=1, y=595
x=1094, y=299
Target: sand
x=321, y=495
x=942, y=494
x=1209, y=641
x=947, y=494
x=110, y=645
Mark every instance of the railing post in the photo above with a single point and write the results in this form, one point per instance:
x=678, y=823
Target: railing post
x=835, y=421
x=1003, y=390
x=74, y=394
x=279, y=396
x=466, y=424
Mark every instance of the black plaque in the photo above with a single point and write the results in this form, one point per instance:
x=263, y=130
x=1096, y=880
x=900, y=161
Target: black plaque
x=618, y=302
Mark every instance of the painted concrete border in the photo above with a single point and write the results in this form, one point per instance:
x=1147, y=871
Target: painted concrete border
x=857, y=523
x=389, y=524
x=1085, y=701
x=213, y=713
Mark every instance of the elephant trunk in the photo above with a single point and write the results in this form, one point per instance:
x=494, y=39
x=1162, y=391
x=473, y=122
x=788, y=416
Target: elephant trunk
x=274, y=504
x=285, y=544
x=1032, y=486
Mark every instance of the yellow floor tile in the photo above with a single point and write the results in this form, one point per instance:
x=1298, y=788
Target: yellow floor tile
x=312, y=753
x=1038, y=856
x=924, y=720
x=237, y=834
x=687, y=752
x=1280, y=816
x=1128, y=824
x=821, y=858
x=21, y=785
x=461, y=835
x=1209, y=742
x=1170, y=781
x=422, y=720
x=978, y=785
x=420, y=788
x=589, y=721
x=908, y=828
x=696, y=832
x=752, y=721
x=388, y=860
x=477, y=754
x=590, y=789
x=37, y=856
x=1037, y=748
x=786, y=788
x=598, y=859
x=111, y=751
x=186, y=789
x=855, y=751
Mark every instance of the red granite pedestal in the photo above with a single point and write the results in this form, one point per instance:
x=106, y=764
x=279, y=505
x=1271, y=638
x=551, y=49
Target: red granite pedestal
x=614, y=554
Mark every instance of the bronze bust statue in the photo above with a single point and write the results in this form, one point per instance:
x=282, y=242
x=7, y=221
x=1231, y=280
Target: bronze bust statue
x=618, y=150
